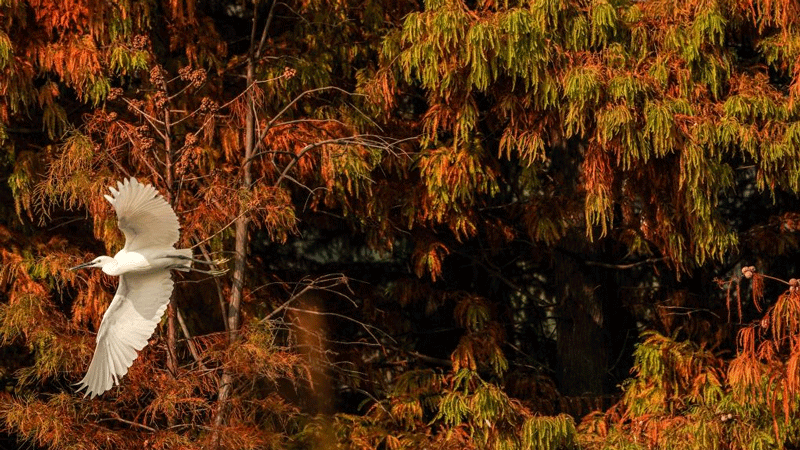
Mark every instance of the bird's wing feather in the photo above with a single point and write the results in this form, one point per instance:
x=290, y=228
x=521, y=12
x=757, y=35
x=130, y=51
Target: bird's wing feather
x=128, y=323
x=143, y=215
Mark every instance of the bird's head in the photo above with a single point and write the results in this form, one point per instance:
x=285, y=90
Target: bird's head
x=100, y=261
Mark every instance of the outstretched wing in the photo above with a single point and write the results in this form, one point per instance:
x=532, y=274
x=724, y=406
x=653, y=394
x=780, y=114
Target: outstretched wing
x=127, y=325
x=143, y=215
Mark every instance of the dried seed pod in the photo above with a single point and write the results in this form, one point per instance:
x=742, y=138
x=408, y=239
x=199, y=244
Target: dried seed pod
x=185, y=73
x=198, y=77
x=139, y=42
x=158, y=76
x=208, y=105
x=160, y=99
x=134, y=105
x=114, y=93
x=190, y=139
x=147, y=143
x=289, y=72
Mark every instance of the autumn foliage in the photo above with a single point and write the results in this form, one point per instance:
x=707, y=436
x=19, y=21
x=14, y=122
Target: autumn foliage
x=447, y=224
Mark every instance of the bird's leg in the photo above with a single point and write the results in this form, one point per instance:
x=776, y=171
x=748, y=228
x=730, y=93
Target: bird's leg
x=212, y=272
x=200, y=261
x=184, y=268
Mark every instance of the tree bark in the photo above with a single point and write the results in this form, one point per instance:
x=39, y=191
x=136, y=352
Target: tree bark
x=582, y=358
x=241, y=226
x=172, y=355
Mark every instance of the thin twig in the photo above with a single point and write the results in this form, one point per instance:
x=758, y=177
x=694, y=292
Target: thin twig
x=686, y=310
x=774, y=279
x=270, y=16
x=625, y=266
x=217, y=284
x=297, y=99
x=365, y=326
x=337, y=280
x=115, y=416
x=189, y=341
x=222, y=229
x=350, y=140
x=153, y=121
x=152, y=168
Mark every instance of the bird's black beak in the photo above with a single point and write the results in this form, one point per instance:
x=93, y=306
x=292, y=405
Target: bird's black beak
x=81, y=266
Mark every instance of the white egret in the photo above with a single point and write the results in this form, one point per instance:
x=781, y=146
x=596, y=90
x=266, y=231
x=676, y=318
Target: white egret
x=145, y=285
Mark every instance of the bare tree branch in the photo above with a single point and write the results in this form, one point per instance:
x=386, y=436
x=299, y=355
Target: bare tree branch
x=625, y=266
x=366, y=140
x=189, y=341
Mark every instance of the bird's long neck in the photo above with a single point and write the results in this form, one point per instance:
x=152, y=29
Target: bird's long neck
x=111, y=267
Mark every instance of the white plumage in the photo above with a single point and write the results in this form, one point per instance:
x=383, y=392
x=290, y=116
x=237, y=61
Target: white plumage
x=145, y=285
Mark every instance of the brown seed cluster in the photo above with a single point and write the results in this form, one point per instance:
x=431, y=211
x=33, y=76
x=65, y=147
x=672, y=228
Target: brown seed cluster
x=208, y=105
x=147, y=143
x=790, y=222
x=748, y=271
x=189, y=158
x=160, y=99
x=114, y=93
x=158, y=76
x=139, y=42
x=184, y=72
x=135, y=105
x=142, y=134
x=191, y=139
x=195, y=77
x=289, y=72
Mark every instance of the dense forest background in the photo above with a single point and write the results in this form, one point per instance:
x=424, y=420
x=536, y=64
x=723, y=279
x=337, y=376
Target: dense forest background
x=544, y=224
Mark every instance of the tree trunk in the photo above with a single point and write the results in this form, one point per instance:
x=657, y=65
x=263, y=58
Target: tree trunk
x=241, y=236
x=172, y=354
x=582, y=356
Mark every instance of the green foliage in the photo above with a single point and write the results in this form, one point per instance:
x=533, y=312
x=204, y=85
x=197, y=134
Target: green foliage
x=582, y=89
x=456, y=178
x=6, y=50
x=468, y=413
x=670, y=373
x=550, y=433
x=681, y=397
x=124, y=61
x=639, y=107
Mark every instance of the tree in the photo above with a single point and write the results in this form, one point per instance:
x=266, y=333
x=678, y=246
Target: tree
x=186, y=121
x=447, y=223
x=599, y=142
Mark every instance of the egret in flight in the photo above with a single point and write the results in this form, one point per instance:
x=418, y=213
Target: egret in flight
x=145, y=284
